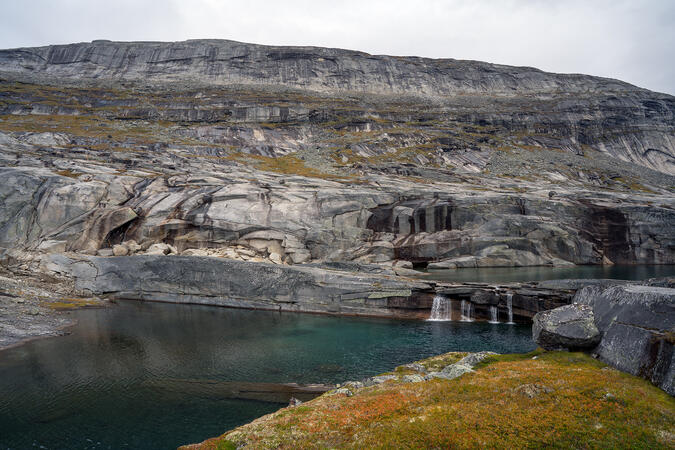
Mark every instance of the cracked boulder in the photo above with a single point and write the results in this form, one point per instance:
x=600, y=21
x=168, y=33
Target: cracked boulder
x=628, y=326
x=638, y=326
x=570, y=326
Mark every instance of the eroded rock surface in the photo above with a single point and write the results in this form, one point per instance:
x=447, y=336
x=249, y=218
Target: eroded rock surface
x=303, y=220
x=578, y=108
x=31, y=309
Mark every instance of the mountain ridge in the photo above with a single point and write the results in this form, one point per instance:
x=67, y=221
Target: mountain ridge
x=323, y=69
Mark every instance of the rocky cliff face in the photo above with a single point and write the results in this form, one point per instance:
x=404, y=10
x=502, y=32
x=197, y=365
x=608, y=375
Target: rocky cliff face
x=554, y=110
x=321, y=69
x=291, y=155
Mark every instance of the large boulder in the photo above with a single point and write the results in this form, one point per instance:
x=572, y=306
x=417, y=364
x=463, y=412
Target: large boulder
x=632, y=325
x=570, y=326
x=638, y=326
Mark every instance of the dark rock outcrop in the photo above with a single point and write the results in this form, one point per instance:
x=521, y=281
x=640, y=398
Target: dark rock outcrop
x=636, y=324
x=570, y=326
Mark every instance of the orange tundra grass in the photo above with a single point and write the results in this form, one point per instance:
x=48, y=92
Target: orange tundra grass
x=559, y=399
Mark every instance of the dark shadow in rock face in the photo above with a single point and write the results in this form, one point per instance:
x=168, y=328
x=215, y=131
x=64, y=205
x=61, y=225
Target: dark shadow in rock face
x=609, y=229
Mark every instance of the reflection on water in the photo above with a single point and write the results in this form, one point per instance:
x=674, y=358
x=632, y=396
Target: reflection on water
x=540, y=273
x=103, y=386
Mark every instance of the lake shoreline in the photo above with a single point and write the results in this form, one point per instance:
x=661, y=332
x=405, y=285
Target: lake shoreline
x=32, y=309
x=35, y=307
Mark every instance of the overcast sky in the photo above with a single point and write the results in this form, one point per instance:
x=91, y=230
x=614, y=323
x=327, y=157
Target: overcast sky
x=633, y=40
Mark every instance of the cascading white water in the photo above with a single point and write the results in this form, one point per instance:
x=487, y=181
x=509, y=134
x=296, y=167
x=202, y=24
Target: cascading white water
x=509, y=306
x=441, y=309
x=467, y=310
x=494, y=318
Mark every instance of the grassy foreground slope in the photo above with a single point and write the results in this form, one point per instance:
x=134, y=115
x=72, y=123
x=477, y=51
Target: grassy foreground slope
x=551, y=399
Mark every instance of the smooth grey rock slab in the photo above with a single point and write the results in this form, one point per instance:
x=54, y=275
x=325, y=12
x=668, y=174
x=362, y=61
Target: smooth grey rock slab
x=464, y=365
x=649, y=307
x=227, y=282
x=640, y=352
x=451, y=372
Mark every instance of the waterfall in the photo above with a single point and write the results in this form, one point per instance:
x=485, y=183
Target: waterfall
x=509, y=306
x=441, y=310
x=467, y=310
x=494, y=318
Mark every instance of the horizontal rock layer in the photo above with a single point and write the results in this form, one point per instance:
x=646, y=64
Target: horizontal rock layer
x=224, y=282
x=343, y=289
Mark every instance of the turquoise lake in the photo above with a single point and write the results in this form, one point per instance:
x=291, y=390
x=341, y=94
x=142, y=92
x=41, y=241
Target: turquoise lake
x=110, y=383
